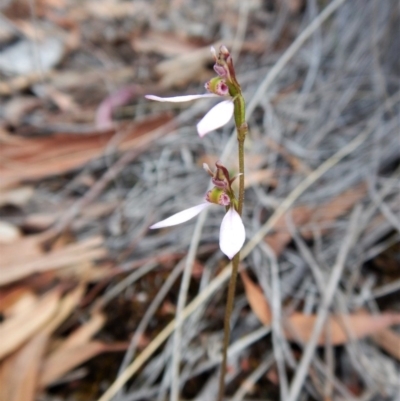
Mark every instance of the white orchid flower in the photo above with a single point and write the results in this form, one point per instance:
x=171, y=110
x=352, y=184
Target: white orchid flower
x=217, y=116
x=231, y=235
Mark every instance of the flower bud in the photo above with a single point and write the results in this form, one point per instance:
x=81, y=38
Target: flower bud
x=224, y=68
x=218, y=196
x=218, y=86
x=220, y=70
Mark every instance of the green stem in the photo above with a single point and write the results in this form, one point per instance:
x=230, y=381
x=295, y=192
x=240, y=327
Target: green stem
x=242, y=131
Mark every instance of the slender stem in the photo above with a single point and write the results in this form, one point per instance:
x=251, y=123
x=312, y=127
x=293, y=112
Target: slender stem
x=227, y=326
x=242, y=132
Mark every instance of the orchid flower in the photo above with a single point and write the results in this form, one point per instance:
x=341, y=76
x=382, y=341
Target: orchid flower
x=232, y=233
x=221, y=113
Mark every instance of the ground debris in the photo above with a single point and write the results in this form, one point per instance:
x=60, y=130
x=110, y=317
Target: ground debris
x=87, y=164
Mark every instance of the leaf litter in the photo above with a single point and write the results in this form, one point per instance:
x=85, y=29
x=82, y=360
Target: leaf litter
x=87, y=165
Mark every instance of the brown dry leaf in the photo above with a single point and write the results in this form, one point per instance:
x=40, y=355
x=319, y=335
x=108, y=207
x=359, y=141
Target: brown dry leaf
x=342, y=327
x=298, y=327
x=83, y=334
x=321, y=215
x=88, y=250
x=17, y=302
x=33, y=158
x=58, y=364
x=389, y=341
x=11, y=253
x=9, y=298
x=162, y=43
x=19, y=371
x=256, y=299
x=17, y=329
x=65, y=307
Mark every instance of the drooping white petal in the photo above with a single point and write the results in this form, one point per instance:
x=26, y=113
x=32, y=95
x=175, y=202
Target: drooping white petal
x=217, y=117
x=232, y=233
x=181, y=217
x=179, y=99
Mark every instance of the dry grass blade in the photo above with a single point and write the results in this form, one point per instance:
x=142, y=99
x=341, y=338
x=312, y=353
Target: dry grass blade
x=17, y=329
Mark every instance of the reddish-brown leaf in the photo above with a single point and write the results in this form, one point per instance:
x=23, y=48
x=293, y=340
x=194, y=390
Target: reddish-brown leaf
x=33, y=158
x=298, y=327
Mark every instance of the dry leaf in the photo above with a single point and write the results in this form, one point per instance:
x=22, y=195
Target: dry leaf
x=65, y=307
x=11, y=253
x=12, y=296
x=389, y=341
x=83, y=334
x=256, y=299
x=321, y=215
x=19, y=371
x=83, y=251
x=342, y=327
x=17, y=329
x=299, y=327
x=18, y=302
x=59, y=363
x=33, y=158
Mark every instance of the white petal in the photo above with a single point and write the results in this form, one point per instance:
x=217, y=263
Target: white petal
x=181, y=217
x=218, y=116
x=232, y=233
x=178, y=99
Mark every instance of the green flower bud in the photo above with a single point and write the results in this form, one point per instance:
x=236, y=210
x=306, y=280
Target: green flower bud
x=218, y=86
x=218, y=196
